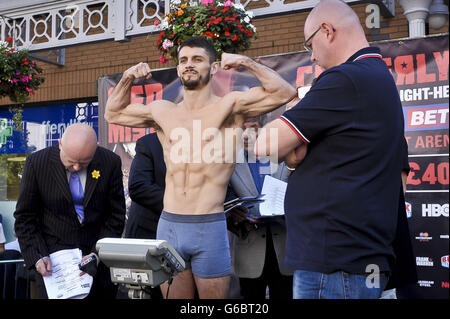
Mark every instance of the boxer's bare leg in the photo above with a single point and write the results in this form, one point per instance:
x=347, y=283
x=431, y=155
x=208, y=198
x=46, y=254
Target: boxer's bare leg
x=182, y=287
x=212, y=288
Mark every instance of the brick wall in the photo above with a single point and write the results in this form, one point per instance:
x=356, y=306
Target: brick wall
x=87, y=62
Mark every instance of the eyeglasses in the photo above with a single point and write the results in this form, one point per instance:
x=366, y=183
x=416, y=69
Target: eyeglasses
x=308, y=46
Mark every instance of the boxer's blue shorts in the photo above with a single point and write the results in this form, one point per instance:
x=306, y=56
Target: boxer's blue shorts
x=201, y=240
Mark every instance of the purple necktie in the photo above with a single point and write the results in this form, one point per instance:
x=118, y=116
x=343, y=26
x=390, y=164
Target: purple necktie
x=77, y=194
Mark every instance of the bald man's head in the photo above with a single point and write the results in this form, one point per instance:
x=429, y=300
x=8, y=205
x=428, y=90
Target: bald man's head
x=334, y=11
x=77, y=146
x=339, y=35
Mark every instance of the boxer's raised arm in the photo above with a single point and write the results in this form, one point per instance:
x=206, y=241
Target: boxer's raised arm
x=119, y=110
x=274, y=92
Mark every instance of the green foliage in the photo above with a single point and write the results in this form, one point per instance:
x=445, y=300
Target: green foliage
x=11, y=169
x=228, y=26
x=19, y=74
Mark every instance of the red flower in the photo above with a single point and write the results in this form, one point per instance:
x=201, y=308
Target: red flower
x=162, y=59
x=234, y=37
x=209, y=34
x=26, y=63
x=9, y=39
x=160, y=37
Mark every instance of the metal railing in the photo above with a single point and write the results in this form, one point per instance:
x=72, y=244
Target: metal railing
x=16, y=279
x=58, y=24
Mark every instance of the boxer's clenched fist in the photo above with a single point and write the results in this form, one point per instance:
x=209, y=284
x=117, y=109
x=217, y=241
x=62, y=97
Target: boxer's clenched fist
x=141, y=70
x=229, y=60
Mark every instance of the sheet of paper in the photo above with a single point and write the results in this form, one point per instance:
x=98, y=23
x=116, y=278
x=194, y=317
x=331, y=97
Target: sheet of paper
x=65, y=281
x=274, y=191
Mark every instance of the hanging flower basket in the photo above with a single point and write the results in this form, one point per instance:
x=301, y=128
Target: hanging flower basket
x=19, y=74
x=228, y=25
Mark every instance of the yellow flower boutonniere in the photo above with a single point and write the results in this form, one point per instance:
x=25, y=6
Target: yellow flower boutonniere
x=95, y=174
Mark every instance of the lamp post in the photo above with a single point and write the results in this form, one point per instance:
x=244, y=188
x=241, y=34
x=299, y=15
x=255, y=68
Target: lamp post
x=416, y=11
x=438, y=14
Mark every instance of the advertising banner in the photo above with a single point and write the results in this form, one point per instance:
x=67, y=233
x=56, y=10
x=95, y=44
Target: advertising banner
x=43, y=125
x=420, y=69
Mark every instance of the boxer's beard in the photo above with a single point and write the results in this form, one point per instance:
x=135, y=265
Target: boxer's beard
x=194, y=84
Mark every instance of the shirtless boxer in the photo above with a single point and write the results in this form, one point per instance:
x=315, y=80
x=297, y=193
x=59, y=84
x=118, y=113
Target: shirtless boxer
x=193, y=220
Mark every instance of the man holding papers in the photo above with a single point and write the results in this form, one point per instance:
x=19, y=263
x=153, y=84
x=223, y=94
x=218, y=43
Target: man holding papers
x=259, y=257
x=70, y=196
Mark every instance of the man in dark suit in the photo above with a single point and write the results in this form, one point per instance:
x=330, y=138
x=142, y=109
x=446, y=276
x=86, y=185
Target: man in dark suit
x=70, y=197
x=146, y=186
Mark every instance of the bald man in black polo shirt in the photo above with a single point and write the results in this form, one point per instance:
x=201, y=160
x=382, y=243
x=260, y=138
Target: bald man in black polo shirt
x=342, y=201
